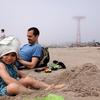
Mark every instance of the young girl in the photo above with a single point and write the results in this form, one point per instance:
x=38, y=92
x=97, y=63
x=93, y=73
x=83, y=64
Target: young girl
x=12, y=81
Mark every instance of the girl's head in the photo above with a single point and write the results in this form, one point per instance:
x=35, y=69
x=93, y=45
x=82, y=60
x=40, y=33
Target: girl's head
x=9, y=58
x=9, y=47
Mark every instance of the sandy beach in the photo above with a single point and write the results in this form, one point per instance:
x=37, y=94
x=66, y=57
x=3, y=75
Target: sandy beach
x=81, y=75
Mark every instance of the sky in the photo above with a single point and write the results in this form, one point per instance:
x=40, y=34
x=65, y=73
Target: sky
x=54, y=18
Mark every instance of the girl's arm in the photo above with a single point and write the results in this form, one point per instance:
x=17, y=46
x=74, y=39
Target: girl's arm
x=5, y=76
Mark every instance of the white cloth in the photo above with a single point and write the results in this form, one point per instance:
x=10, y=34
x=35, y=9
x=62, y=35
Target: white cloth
x=8, y=45
x=6, y=40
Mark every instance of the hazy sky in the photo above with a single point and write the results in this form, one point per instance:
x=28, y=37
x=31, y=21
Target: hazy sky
x=54, y=18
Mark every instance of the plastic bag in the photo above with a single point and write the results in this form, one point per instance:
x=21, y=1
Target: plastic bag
x=50, y=97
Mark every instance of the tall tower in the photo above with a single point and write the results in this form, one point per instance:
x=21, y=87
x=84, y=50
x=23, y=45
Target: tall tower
x=78, y=33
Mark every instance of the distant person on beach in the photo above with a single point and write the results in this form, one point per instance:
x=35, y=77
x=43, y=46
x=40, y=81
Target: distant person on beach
x=12, y=81
x=2, y=34
x=30, y=54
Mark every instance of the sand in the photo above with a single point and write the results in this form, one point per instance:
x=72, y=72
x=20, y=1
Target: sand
x=81, y=76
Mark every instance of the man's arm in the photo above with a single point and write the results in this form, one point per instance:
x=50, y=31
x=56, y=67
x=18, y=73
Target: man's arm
x=31, y=64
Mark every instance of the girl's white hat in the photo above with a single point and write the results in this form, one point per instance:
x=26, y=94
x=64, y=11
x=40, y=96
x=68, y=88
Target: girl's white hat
x=8, y=45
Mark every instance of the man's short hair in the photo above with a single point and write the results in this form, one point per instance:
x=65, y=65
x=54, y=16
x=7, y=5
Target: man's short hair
x=35, y=31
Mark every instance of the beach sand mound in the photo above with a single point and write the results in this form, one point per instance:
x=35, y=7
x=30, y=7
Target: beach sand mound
x=83, y=80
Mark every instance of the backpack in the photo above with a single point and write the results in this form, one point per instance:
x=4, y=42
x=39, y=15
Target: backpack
x=45, y=58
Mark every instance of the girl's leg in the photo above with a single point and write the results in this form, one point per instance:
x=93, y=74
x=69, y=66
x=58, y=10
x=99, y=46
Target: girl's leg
x=33, y=83
x=14, y=89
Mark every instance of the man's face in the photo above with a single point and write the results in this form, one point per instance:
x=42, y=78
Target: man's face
x=31, y=38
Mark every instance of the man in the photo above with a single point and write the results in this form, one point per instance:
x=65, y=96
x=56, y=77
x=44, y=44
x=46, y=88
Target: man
x=30, y=54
